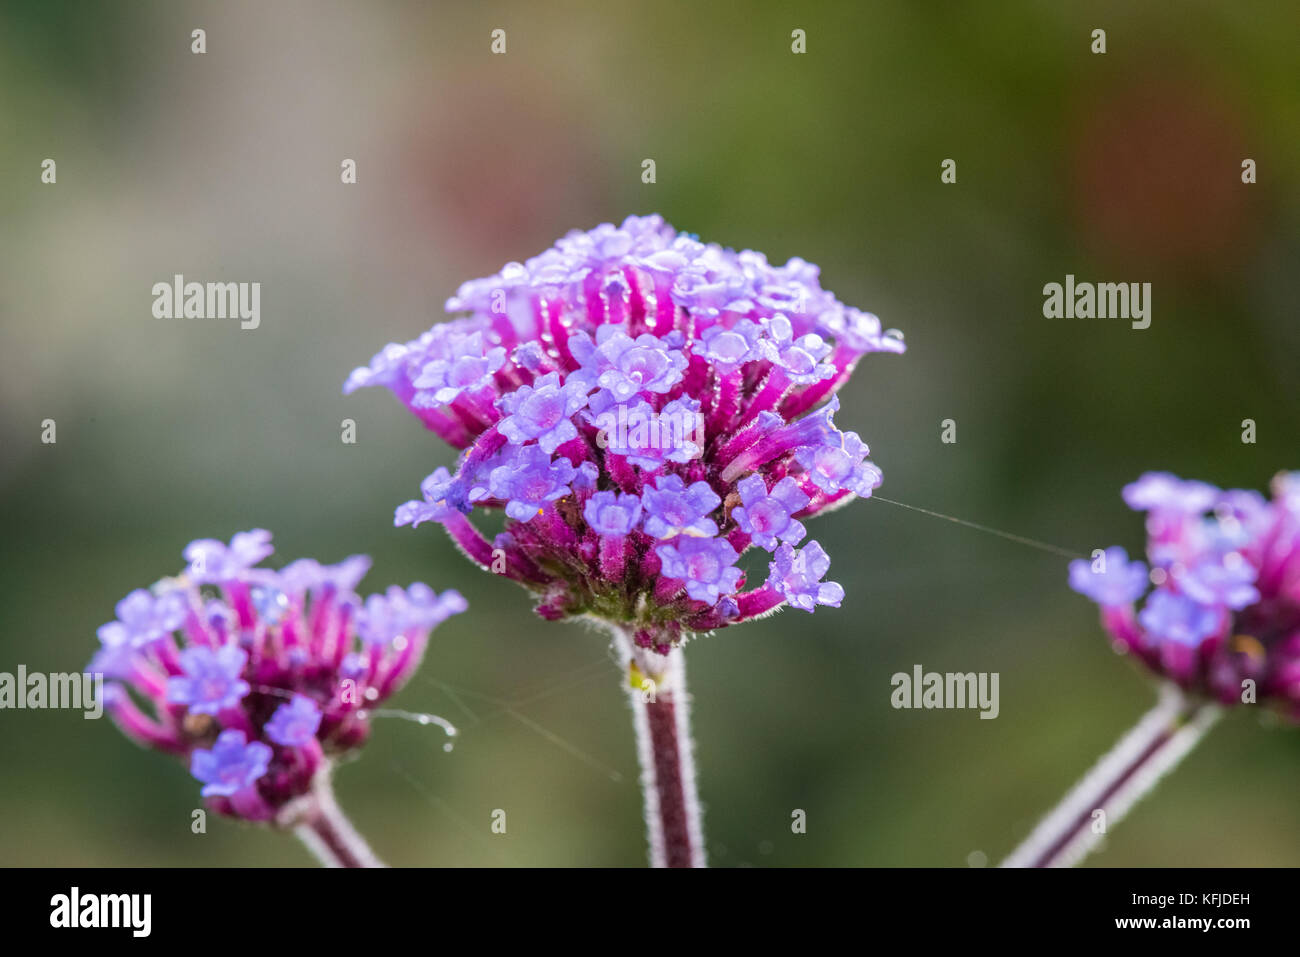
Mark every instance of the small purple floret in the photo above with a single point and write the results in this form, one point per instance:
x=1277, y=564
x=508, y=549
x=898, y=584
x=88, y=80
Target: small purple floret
x=706, y=565
x=768, y=516
x=145, y=617
x=543, y=411
x=400, y=612
x=650, y=439
x=1117, y=582
x=211, y=680
x=214, y=562
x=308, y=575
x=1227, y=580
x=624, y=367
x=1163, y=492
x=233, y=764
x=530, y=481
x=1178, y=618
x=612, y=515
x=440, y=494
x=672, y=509
x=294, y=723
x=798, y=577
x=838, y=464
x=729, y=347
x=800, y=357
x=468, y=366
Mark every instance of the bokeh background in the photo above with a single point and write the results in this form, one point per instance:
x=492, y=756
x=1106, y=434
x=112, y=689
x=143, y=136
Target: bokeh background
x=1116, y=167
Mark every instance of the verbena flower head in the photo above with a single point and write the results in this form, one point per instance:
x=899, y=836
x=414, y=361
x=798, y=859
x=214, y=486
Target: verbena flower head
x=1224, y=614
x=255, y=677
x=644, y=407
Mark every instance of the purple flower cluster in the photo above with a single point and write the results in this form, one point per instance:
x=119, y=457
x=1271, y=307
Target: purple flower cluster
x=256, y=677
x=1224, y=615
x=644, y=407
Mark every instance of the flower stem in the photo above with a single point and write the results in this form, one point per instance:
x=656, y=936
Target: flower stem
x=323, y=827
x=1123, y=776
x=661, y=715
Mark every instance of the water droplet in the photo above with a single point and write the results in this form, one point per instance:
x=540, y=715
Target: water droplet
x=420, y=718
x=271, y=604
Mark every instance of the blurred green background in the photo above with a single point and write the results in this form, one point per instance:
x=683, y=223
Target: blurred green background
x=1116, y=167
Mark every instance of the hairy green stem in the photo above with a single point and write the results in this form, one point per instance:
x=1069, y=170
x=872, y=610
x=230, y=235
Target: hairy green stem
x=1121, y=778
x=321, y=825
x=661, y=715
